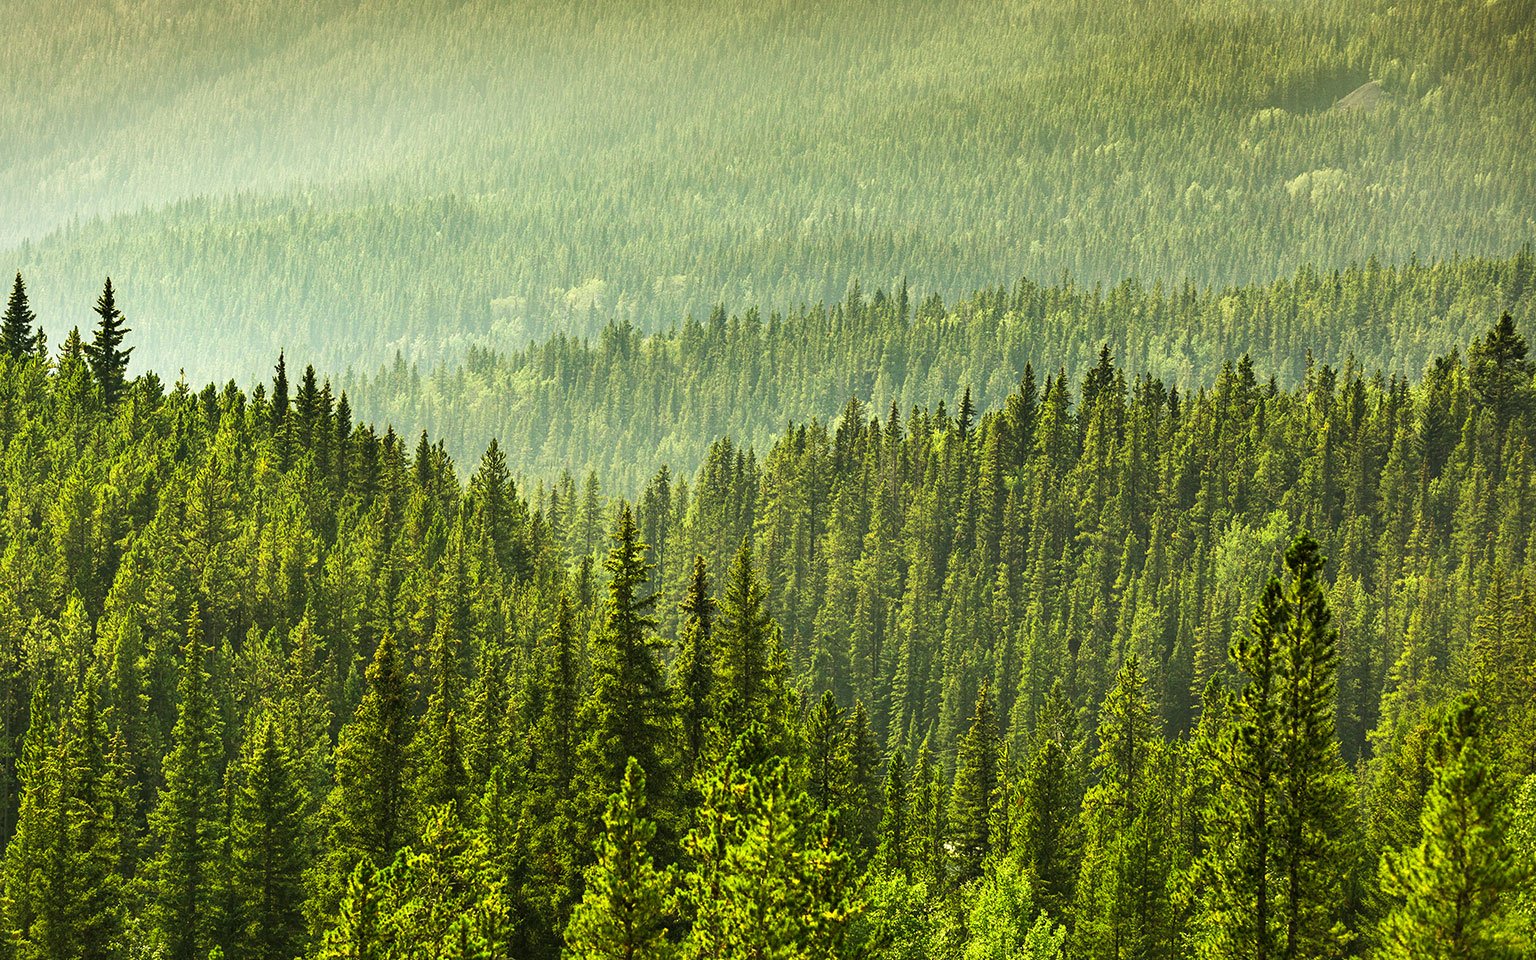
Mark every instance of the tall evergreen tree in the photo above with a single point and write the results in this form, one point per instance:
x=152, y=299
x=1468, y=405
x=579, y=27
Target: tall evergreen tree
x=975, y=790
x=629, y=712
x=693, y=671
x=17, y=338
x=268, y=850
x=107, y=359
x=187, y=828
x=1123, y=907
x=624, y=913
x=1276, y=830
x=369, y=812
x=1453, y=892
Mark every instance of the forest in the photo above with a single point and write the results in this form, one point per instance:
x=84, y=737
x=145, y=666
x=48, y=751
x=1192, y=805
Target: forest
x=623, y=403
x=347, y=180
x=1110, y=665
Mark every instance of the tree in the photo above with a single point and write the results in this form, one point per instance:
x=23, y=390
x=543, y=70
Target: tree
x=268, y=849
x=356, y=934
x=188, y=824
x=1004, y=923
x=693, y=671
x=1453, y=892
x=629, y=713
x=17, y=338
x=1276, y=828
x=1048, y=828
x=748, y=684
x=975, y=789
x=369, y=809
x=107, y=359
x=761, y=881
x=1499, y=371
x=623, y=915
x=1123, y=905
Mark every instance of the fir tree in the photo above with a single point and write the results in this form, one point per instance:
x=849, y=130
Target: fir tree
x=1454, y=890
x=369, y=809
x=268, y=850
x=107, y=359
x=629, y=713
x=975, y=789
x=188, y=824
x=1123, y=905
x=17, y=337
x=623, y=915
x=693, y=671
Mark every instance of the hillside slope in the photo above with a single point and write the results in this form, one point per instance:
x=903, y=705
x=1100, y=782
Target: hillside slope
x=349, y=179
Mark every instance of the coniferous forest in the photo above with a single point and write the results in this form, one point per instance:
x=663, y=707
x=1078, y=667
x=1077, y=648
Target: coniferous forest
x=1108, y=668
x=773, y=480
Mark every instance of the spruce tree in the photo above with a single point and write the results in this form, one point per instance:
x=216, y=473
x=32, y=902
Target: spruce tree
x=1123, y=907
x=693, y=671
x=1454, y=891
x=629, y=712
x=17, y=337
x=1277, y=851
x=975, y=790
x=187, y=827
x=108, y=361
x=100, y=823
x=369, y=807
x=895, y=843
x=267, y=846
x=748, y=683
x=623, y=915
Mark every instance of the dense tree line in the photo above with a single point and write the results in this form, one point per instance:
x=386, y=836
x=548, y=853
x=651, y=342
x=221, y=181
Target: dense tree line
x=1065, y=677
x=350, y=179
x=555, y=405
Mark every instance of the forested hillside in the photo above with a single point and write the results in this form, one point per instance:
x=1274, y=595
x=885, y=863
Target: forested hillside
x=350, y=179
x=1064, y=676
x=625, y=403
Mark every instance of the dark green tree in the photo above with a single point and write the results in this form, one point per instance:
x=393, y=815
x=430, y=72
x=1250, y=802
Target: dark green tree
x=108, y=361
x=17, y=338
x=268, y=849
x=186, y=872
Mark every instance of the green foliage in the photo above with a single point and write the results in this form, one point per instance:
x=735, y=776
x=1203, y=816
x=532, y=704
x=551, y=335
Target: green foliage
x=1452, y=889
x=962, y=688
x=624, y=913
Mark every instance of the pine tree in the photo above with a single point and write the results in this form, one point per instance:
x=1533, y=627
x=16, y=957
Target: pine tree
x=629, y=712
x=17, y=337
x=107, y=359
x=268, y=850
x=1275, y=831
x=894, y=853
x=693, y=672
x=975, y=790
x=748, y=686
x=1048, y=827
x=369, y=806
x=188, y=824
x=357, y=934
x=623, y=915
x=1123, y=907
x=34, y=899
x=1454, y=890
x=100, y=822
